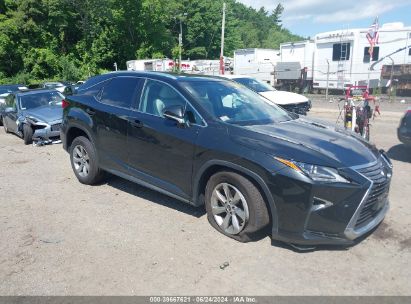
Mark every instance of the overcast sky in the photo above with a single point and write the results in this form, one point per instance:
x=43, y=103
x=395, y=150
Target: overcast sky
x=309, y=17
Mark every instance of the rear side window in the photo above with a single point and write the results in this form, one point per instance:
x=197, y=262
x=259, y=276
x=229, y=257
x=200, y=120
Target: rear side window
x=11, y=101
x=120, y=91
x=94, y=89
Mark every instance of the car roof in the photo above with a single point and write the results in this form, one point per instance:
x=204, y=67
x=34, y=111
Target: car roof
x=160, y=75
x=34, y=91
x=11, y=85
x=231, y=76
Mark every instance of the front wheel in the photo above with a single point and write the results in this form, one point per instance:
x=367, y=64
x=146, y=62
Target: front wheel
x=27, y=134
x=84, y=162
x=235, y=207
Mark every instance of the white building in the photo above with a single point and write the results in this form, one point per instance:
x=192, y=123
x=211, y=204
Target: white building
x=346, y=52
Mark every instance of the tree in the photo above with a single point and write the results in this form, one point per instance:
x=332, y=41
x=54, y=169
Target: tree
x=72, y=39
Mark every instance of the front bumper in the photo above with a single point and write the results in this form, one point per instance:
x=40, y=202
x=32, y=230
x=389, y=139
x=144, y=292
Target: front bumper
x=298, y=108
x=45, y=131
x=332, y=214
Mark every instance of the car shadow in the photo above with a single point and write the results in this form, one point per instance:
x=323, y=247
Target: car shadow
x=400, y=152
x=153, y=196
x=166, y=201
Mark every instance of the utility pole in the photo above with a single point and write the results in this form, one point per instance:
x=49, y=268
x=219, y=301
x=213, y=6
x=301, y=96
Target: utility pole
x=391, y=76
x=180, y=45
x=222, y=43
x=328, y=78
x=180, y=41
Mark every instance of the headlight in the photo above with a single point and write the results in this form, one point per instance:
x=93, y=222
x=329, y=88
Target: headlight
x=32, y=119
x=315, y=172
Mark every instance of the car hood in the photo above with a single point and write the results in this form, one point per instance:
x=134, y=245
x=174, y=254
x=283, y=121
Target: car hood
x=284, y=98
x=306, y=140
x=46, y=113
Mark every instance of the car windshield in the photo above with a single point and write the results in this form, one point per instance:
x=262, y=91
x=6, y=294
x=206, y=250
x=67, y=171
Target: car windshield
x=254, y=84
x=36, y=100
x=235, y=104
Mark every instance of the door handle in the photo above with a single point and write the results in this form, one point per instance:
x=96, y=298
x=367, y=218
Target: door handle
x=137, y=123
x=90, y=112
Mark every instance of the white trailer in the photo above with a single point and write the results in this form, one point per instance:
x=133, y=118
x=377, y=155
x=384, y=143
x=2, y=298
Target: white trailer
x=295, y=67
x=257, y=63
x=344, y=54
x=159, y=65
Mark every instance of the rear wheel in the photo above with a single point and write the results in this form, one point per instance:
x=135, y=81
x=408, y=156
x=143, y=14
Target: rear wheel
x=84, y=161
x=235, y=207
x=27, y=134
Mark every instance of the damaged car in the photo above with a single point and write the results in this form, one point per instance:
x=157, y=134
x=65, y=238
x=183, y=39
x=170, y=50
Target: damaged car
x=34, y=115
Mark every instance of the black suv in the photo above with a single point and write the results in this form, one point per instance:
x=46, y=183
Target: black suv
x=211, y=141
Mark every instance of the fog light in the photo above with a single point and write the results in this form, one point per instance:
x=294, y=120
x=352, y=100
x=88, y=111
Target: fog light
x=319, y=203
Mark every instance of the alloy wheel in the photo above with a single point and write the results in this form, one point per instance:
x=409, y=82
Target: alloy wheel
x=81, y=161
x=229, y=208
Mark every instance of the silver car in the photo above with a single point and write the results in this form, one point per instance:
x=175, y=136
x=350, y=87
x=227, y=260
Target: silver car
x=33, y=115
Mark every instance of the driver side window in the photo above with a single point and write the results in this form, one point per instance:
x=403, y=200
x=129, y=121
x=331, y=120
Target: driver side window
x=157, y=96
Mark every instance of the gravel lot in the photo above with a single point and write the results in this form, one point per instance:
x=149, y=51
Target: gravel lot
x=58, y=237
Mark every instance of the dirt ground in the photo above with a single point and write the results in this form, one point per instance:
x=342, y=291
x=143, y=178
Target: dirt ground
x=59, y=237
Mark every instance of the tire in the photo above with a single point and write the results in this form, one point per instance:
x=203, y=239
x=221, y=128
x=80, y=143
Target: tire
x=4, y=125
x=366, y=131
x=83, y=159
x=251, y=216
x=27, y=134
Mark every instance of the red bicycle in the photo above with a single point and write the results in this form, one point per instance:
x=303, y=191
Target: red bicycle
x=357, y=110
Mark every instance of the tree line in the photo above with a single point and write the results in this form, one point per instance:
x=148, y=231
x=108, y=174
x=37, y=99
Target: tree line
x=73, y=39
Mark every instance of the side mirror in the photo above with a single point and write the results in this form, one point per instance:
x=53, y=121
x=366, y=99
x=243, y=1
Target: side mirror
x=175, y=113
x=9, y=110
x=69, y=90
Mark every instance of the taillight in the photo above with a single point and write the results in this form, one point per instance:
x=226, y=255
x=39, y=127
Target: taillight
x=64, y=104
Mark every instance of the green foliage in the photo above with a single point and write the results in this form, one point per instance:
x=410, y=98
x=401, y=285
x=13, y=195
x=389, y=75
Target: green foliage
x=73, y=39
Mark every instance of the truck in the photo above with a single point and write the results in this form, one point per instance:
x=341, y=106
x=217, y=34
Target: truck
x=295, y=68
x=256, y=62
x=399, y=76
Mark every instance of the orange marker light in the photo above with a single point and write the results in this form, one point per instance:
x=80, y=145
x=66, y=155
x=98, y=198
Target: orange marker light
x=288, y=163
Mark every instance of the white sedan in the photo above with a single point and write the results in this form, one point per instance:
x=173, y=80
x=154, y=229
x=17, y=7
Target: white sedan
x=289, y=101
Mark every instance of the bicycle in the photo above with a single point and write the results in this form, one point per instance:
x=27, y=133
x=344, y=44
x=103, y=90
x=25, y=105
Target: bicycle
x=357, y=115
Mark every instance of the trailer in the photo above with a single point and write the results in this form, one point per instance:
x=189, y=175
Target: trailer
x=295, y=66
x=159, y=65
x=257, y=63
x=342, y=59
x=398, y=76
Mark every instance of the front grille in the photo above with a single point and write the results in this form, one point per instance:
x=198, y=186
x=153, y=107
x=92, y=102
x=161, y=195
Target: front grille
x=299, y=108
x=377, y=196
x=56, y=127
